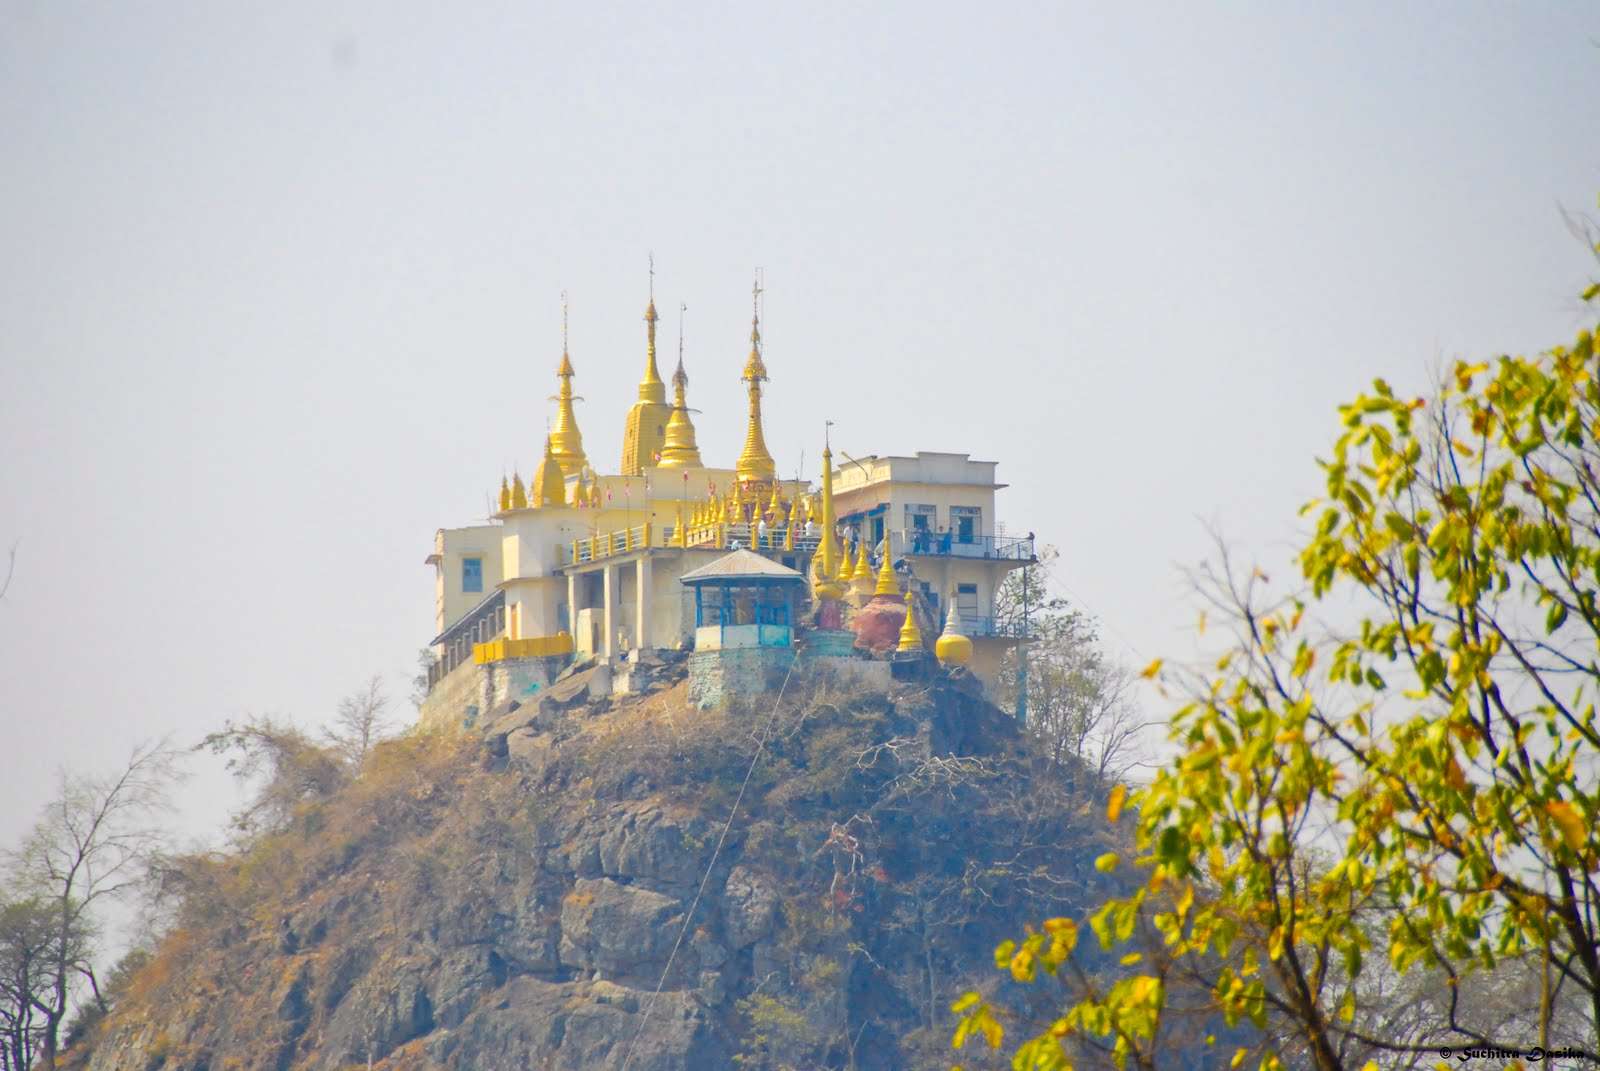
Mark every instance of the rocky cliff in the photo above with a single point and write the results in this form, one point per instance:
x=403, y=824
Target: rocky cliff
x=516, y=896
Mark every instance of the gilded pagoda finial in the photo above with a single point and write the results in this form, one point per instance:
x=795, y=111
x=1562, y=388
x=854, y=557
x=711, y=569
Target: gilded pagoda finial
x=565, y=438
x=644, y=436
x=651, y=389
x=825, y=563
x=755, y=463
x=505, y=494
x=519, y=493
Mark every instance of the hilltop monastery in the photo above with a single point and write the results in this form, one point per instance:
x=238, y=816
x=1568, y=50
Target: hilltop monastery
x=746, y=570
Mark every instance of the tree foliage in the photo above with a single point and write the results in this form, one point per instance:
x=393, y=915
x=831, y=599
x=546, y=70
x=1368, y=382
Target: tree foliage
x=1081, y=713
x=1413, y=792
x=289, y=767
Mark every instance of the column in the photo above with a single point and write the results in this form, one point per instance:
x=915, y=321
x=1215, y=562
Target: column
x=572, y=606
x=608, y=624
x=641, y=602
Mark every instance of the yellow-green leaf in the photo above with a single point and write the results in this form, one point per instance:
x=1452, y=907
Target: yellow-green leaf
x=1114, y=804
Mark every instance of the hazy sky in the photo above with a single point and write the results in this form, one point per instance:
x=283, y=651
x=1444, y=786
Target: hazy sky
x=279, y=288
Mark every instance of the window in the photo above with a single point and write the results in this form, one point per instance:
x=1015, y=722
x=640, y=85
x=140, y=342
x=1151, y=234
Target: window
x=967, y=521
x=919, y=516
x=967, y=600
x=472, y=575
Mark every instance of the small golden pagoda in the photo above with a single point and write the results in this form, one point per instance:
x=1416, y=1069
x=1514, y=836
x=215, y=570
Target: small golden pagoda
x=888, y=583
x=861, y=581
x=547, y=486
x=679, y=449
x=910, y=634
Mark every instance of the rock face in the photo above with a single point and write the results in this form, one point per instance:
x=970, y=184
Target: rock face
x=547, y=892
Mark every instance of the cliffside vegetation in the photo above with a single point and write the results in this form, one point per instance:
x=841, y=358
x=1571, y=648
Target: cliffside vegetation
x=562, y=889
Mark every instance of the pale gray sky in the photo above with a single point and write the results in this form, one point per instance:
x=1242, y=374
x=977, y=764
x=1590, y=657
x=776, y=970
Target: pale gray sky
x=279, y=290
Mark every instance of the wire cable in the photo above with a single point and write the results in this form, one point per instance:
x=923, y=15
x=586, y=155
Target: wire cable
x=688, y=919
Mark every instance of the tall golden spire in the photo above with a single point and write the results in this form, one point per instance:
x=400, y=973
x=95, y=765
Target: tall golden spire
x=826, y=551
x=565, y=440
x=644, y=438
x=678, y=449
x=755, y=463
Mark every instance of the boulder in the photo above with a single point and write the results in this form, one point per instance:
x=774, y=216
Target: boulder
x=623, y=931
x=749, y=907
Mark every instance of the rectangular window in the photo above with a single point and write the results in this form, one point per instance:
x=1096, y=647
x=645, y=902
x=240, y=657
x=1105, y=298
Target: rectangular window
x=472, y=575
x=919, y=516
x=967, y=600
x=967, y=521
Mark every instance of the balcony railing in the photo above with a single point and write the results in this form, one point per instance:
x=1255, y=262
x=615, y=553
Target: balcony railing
x=925, y=543
x=609, y=544
x=991, y=627
x=699, y=537
x=478, y=625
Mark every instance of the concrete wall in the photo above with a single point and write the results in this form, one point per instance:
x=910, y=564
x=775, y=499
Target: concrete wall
x=470, y=691
x=985, y=664
x=717, y=676
x=450, y=546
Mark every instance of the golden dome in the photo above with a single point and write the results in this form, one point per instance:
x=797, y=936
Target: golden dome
x=953, y=648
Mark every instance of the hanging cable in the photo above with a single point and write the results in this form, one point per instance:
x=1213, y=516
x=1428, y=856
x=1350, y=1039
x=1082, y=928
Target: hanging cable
x=688, y=918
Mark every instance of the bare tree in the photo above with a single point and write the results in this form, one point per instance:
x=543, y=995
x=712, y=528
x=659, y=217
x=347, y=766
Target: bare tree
x=11, y=569
x=360, y=722
x=89, y=846
x=1081, y=711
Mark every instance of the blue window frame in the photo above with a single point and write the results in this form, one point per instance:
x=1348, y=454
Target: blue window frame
x=472, y=575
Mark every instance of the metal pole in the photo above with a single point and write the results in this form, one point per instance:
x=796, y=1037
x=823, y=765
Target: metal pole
x=1022, y=656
